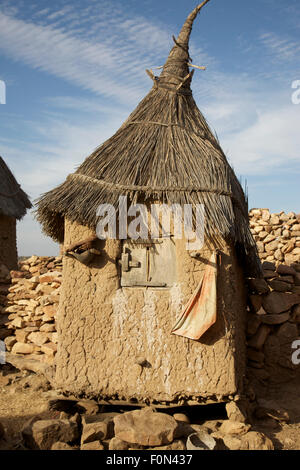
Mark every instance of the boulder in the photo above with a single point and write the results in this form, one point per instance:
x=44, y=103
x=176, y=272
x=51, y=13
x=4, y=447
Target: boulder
x=176, y=445
x=95, y=445
x=236, y=412
x=259, y=286
x=181, y=417
x=256, y=441
x=234, y=428
x=278, y=319
x=266, y=265
x=277, y=302
x=117, y=444
x=89, y=407
x=42, y=434
x=286, y=270
x=94, y=432
x=280, y=286
x=145, y=427
x=23, y=348
x=61, y=446
x=258, y=340
x=251, y=441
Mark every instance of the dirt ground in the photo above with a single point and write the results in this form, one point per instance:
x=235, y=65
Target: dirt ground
x=24, y=395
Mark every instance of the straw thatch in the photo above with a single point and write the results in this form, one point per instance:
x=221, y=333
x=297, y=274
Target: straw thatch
x=13, y=201
x=165, y=150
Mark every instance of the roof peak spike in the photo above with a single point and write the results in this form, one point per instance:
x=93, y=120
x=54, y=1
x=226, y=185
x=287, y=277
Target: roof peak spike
x=177, y=64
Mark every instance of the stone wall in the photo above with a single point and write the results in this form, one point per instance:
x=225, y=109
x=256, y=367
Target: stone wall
x=273, y=323
x=29, y=307
x=277, y=235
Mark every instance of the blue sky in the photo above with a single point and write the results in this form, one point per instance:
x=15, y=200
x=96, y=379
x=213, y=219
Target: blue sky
x=74, y=70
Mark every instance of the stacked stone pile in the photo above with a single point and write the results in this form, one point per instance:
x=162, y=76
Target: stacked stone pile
x=277, y=235
x=4, y=286
x=273, y=322
x=31, y=306
x=145, y=429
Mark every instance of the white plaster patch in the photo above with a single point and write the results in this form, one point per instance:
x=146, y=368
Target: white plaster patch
x=120, y=312
x=149, y=318
x=176, y=301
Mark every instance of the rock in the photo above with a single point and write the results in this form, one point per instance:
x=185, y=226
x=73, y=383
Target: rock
x=256, y=356
x=253, y=323
x=23, y=348
x=287, y=279
x=272, y=247
x=267, y=266
x=95, y=445
x=50, y=310
x=236, y=412
x=4, y=273
x=9, y=342
x=48, y=328
x=93, y=432
x=256, y=441
x=269, y=274
x=107, y=418
x=255, y=302
x=257, y=341
x=260, y=286
x=38, y=338
x=61, y=446
x=42, y=434
x=117, y=444
x=18, y=323
x=145, y=427
x=297, y=279
x=277, y=302
x=280, y=286
x=235, y=428
x=278, y=319
x=262, y=412
x=22, y=335
x=176, y=445
x=286, y=270
x=90, y=407
x=181, y=417
x=232, y=442
x=49, y=349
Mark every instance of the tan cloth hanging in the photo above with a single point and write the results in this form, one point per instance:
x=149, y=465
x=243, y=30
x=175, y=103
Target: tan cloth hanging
x=200, y=313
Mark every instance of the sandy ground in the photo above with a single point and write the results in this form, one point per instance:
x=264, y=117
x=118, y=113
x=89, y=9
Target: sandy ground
x=24, y=395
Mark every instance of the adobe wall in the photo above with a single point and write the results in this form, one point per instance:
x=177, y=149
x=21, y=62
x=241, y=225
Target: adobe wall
x=8, y=244
x=104, y=331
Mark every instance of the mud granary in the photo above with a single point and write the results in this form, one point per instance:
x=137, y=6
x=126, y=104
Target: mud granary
x=129, y=308
x=13, y=206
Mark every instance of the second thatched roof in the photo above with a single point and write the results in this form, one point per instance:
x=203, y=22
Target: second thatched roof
x=13, y=201
x=165, y=150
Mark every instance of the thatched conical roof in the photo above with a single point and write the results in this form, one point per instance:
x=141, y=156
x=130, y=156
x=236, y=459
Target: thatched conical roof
x=164, y=150
x=13, y=201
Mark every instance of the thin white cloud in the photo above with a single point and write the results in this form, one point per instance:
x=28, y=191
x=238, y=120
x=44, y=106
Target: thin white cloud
x=95, y=65
x=283, y=48
x=272, y=142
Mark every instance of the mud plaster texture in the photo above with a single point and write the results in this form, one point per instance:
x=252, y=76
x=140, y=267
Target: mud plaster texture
x=105, y=330
x=8, y=245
